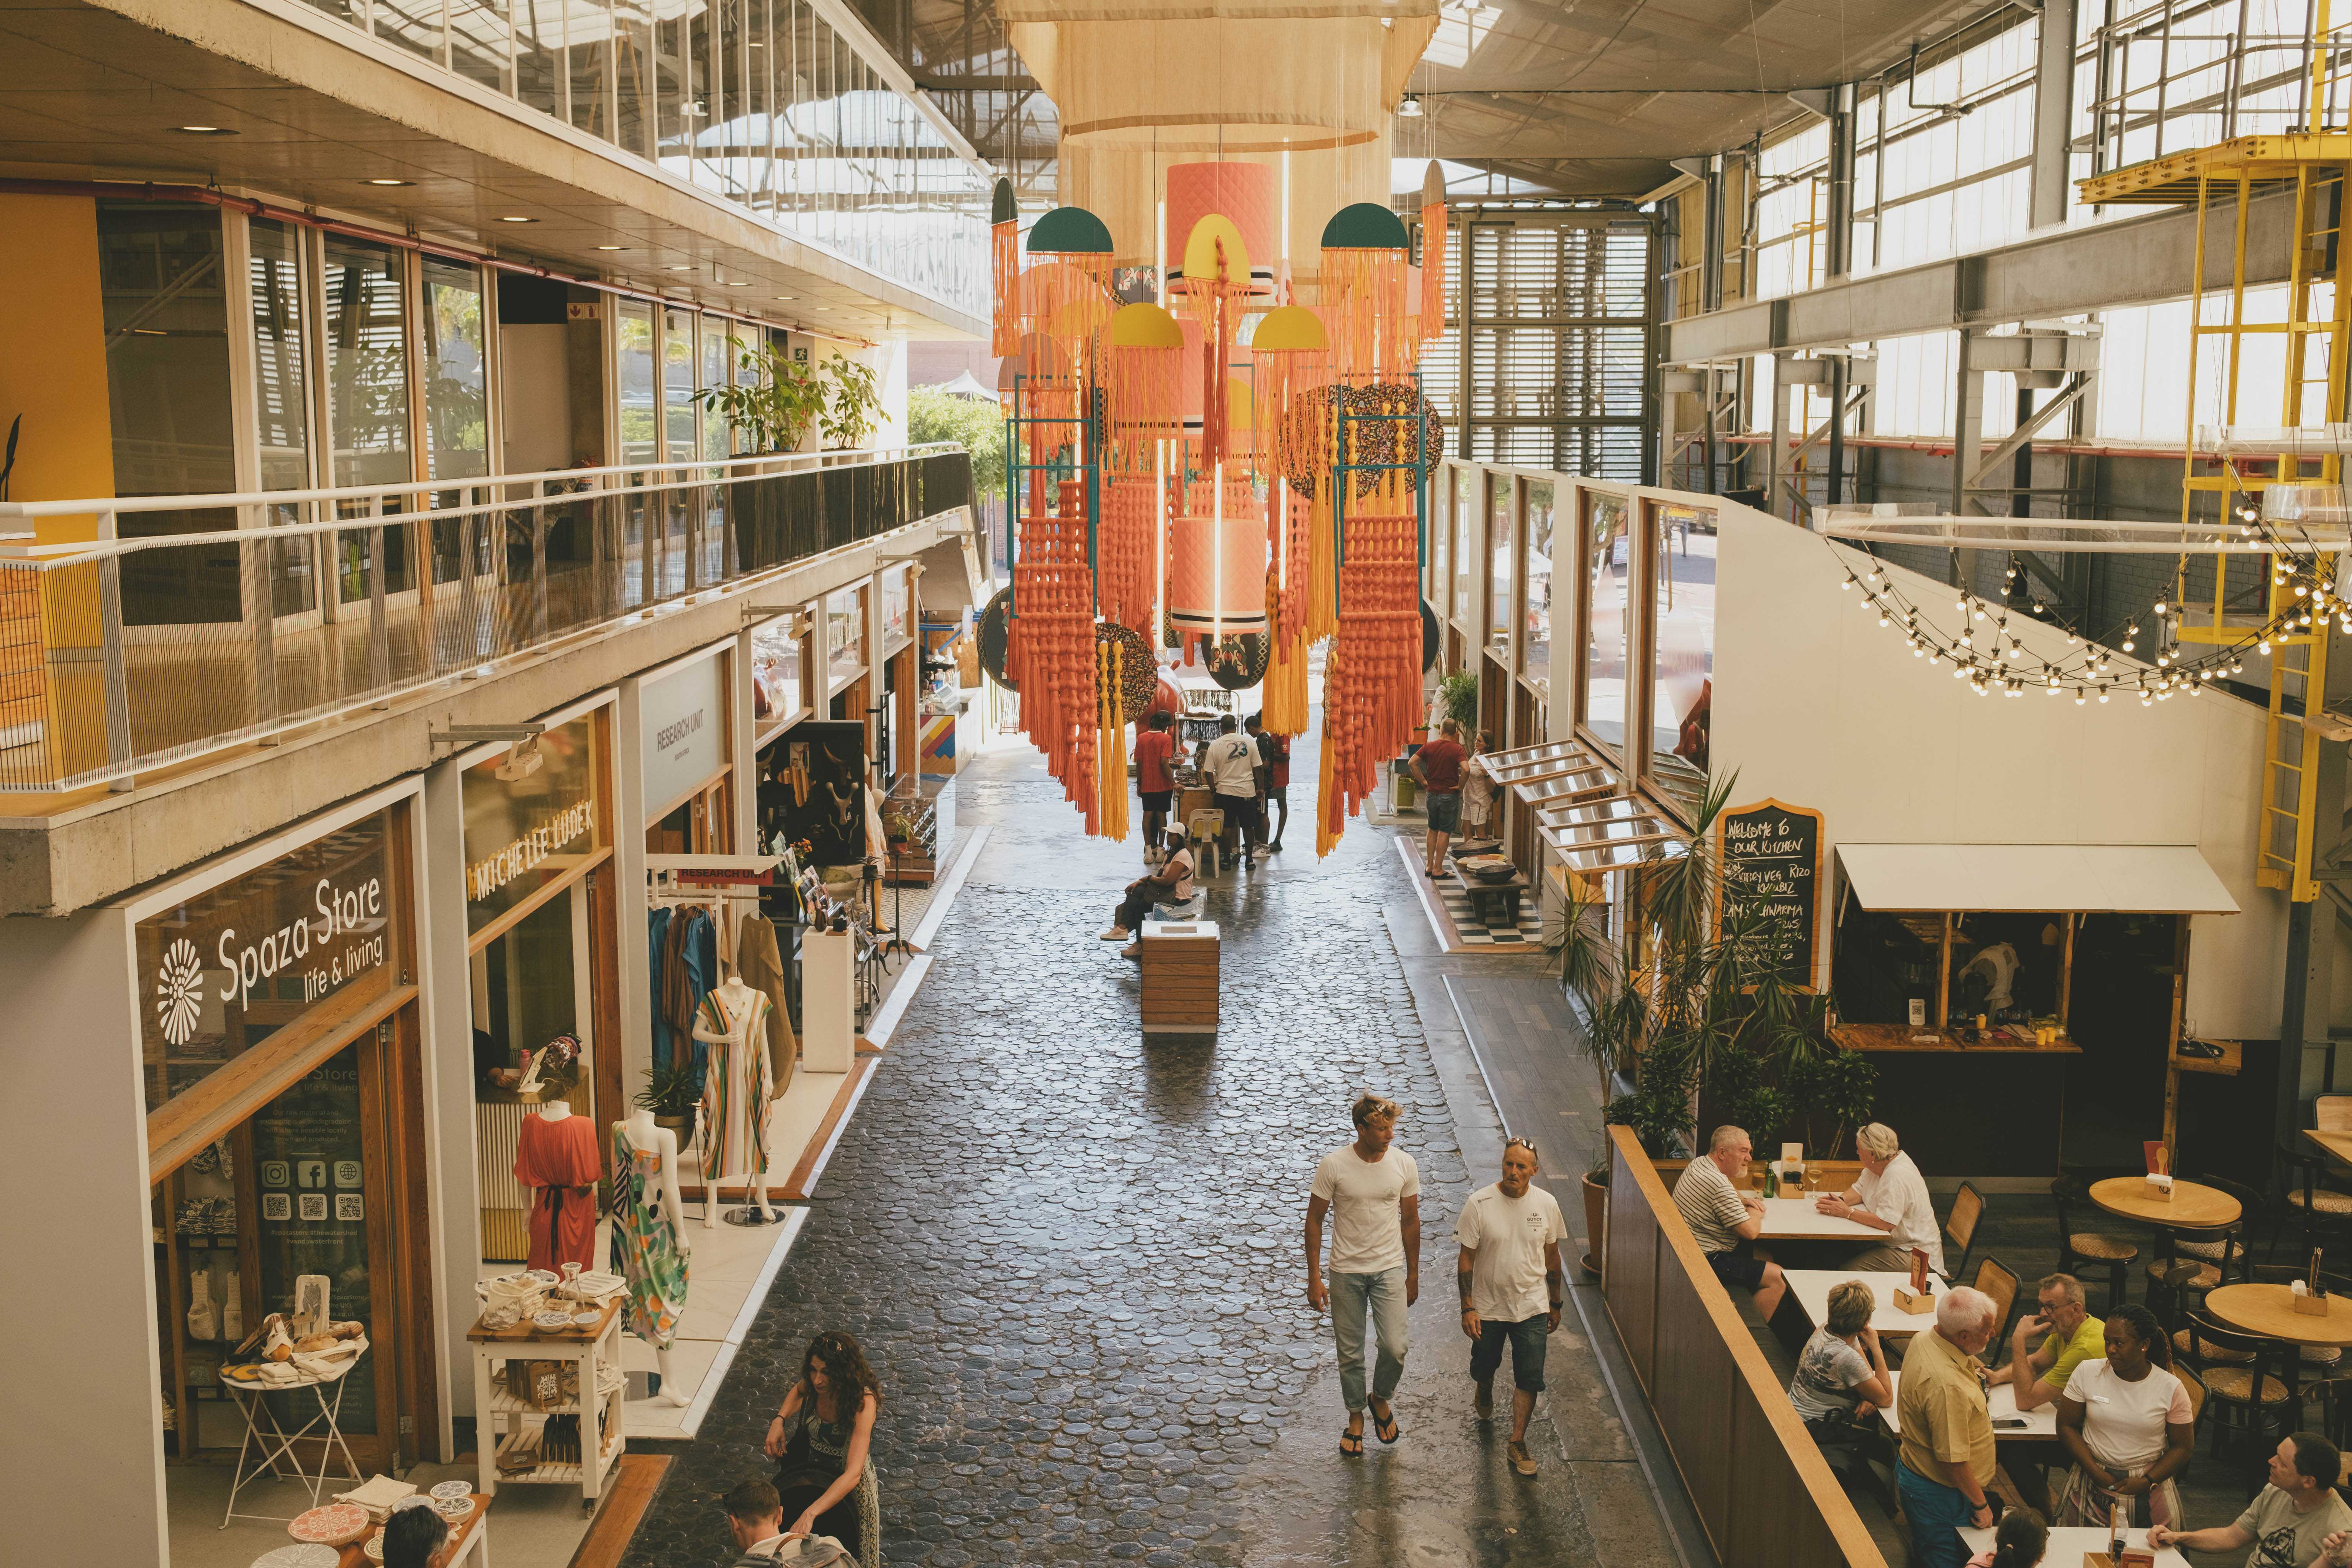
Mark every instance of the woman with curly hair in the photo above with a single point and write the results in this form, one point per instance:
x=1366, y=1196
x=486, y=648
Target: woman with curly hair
x=822, y=1439
x=2127, y=1422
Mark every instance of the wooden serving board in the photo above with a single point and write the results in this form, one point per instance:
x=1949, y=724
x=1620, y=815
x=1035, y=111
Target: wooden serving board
x=528, y=1333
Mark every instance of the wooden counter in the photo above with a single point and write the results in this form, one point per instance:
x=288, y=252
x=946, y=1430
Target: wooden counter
x=1896, y=1038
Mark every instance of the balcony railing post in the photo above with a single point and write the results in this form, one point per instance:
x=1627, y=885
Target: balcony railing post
x=538, y=571
x=379, y=621
x=261, y=618
x=469, y=566
x=117, y=679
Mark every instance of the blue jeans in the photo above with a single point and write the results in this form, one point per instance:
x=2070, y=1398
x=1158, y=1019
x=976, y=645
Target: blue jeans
x=1936, y=1514
x=1382, y=1297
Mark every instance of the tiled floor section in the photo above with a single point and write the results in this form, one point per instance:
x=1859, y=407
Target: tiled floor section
x=1073, y=1259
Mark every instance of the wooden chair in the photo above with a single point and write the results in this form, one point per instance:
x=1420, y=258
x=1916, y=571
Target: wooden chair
x=1960, y=1228
x=2254, y=1397
x=2194, y=1386
x=2172, y=1298
x=2332, y=1395
x=2080, y=1251
x=2220, y=1253
x=2320, y=1211
x=2331, y=1113
x=1998, y=1280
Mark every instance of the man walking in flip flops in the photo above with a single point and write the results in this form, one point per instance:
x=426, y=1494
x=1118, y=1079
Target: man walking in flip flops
x=1373, y=1192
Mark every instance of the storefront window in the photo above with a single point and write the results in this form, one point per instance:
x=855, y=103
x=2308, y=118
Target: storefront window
x=1607, y=562
x=1682, y=668
x=844, y=636
x=235, y=963
x=1465, y=517
x=281, y=397
x=457, y=399
x=1498, y=549
x=677, y=387
x=775, y=674
x=1535, y=656
x=367, y=400
x=896, y=607
x=528, y=831
x=309, y=1168
x=714, y=374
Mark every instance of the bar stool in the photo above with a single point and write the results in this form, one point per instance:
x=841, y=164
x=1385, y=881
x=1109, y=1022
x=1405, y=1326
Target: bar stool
x=2081, y=1250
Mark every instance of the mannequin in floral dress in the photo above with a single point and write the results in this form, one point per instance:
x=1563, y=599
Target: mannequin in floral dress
x=649, y=1250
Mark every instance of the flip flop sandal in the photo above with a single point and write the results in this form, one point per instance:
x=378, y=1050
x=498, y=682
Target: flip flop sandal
x=1385, y=1427
x=1352, y=1443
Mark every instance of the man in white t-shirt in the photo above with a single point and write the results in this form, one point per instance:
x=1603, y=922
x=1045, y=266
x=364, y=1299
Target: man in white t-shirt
x=1373, y=1196
x=1890, y=1195
x=1231, y=763
x=1509, y=1278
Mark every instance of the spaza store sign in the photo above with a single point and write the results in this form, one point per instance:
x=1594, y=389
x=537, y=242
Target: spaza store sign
x=243, y=959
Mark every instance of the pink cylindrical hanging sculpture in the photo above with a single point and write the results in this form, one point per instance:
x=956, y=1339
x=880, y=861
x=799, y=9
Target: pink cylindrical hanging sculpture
x=1216, y=571
x=1249, y=195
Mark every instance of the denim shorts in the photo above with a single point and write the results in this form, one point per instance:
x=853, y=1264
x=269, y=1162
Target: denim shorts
x=1445, y=811
x=1529, y=1338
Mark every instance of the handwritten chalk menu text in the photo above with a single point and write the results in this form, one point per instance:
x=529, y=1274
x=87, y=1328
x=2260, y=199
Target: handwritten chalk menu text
x=1771, y=860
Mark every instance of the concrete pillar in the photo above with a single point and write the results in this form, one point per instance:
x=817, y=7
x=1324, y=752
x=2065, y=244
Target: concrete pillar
x=740, y=747
x=79, y=1362
x=635, y=971
x=1776, y=457
x=447, y=1027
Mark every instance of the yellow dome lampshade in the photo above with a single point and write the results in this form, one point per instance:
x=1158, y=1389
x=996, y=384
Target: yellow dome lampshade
x=1145, y=326
x=1201, y=255
x=1289, y=329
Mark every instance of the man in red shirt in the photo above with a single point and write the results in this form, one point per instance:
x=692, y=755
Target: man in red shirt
x=1153, y=747
x=1438, y=768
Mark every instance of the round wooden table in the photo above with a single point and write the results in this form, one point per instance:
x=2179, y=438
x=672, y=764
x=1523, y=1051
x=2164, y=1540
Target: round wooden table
x=2192, y=1206
x=2267, y=1310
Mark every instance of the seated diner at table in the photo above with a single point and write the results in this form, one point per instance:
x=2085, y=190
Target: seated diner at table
x=2125, y=1419
x=1842, y=1377
x=2069, y=1336
x=2021, y=1542
x=1724, y=1221
x=1890, y=1195
x=2296, y=1521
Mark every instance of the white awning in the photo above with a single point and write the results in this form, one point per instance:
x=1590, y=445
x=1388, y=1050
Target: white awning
x=2079, y=878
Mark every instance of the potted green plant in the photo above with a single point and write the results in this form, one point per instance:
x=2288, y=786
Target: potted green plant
x=1457, y=696
x=774, y=400
x=853, y=408
x=669, y=1093
x=1838, y=1090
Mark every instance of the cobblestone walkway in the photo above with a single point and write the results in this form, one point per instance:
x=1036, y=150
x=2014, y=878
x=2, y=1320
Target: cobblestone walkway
x=1073, y=1259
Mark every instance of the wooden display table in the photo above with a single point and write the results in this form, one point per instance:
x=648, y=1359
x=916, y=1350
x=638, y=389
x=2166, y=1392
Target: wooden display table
x=2192, y=1206
x=1180, y=977
x=1483, y=895
x=2269, y=1310
x=501, y=1413
x=472, y=1535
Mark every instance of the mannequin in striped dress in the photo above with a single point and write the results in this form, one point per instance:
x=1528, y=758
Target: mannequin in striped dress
x=733, y=1022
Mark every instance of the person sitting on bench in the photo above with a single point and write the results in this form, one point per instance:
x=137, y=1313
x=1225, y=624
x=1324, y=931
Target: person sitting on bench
x=1170, y=883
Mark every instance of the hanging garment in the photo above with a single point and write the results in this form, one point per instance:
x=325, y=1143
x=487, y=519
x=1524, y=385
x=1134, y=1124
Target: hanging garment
x=645, y=1243
x=761, y=963
x=689, y=969
x=557, y=1160
x=656, y=940
x=733, y=1137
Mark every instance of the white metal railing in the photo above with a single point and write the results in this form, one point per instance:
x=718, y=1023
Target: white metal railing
x=127, y=652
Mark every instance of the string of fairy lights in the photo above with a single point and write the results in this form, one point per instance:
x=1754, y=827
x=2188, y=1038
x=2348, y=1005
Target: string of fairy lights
x=1986, y=652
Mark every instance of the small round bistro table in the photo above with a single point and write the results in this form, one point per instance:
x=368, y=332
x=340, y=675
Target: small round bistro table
x=2192, y=1205
x=2269, y=1310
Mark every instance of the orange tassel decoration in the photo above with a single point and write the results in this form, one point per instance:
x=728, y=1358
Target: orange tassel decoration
x=1364, y=274
x=1004, y=268
x=1433, y=253
x=1050, y=644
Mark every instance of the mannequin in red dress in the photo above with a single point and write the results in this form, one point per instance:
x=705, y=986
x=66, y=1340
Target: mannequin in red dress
x=556, y=1157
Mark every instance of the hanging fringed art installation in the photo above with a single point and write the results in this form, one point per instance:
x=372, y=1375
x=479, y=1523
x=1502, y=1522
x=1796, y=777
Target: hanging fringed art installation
x=1004, y=269
x=1236, y=475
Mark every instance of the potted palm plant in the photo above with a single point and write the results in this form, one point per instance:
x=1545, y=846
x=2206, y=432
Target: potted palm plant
x=853, y=406
x=670, y=1094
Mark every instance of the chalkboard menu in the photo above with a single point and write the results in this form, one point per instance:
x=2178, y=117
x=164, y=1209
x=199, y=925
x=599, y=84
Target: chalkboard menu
x=1771, y=859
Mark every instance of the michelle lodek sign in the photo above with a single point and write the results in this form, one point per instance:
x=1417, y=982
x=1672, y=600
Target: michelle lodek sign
x=536, y=826
x=1771, y=856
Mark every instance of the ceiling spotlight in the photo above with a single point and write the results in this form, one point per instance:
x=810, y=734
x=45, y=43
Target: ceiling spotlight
x=678, y=267
x=510, y=218
x=1409, y=108
x=783, y=296
x=204, y=130
x=610, y=247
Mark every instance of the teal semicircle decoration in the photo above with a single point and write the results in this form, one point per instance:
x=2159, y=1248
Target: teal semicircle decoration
x=1073, y=230
x=1366, y=226
x=1001, y=207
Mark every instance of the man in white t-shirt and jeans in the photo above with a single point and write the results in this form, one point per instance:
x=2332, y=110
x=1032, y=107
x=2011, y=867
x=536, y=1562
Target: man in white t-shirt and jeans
x=1373, y=1194
x=1509, y=1277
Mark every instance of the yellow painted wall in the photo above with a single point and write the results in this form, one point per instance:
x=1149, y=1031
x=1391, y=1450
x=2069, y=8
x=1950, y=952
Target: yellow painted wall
x=53, y=356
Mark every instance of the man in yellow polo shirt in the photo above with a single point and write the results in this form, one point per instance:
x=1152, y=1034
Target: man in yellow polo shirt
x=2070, y=1336
x=1947, y=1452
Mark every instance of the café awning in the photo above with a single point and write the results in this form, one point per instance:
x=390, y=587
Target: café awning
x=2039, y=878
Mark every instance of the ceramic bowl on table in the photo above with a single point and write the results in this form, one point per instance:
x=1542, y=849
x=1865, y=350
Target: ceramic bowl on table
x=306, y=1556
x=448, y=1489
x=454, y=1510
x=552, y=1320
x=374, y=1547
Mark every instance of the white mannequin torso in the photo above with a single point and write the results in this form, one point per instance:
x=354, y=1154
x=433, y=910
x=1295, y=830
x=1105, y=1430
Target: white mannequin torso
x=554, y=1110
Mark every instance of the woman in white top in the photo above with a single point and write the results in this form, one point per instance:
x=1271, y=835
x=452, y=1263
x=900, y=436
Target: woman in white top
x=2126, y=1421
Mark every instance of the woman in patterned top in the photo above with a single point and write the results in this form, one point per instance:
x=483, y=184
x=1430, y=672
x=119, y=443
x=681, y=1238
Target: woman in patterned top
x=822, y=1439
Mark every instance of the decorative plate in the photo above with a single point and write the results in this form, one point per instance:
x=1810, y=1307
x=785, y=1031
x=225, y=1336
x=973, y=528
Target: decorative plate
x=1139, y=672
x=588, y=1320
x=448, y=1489
x=991, y=631
x=454, y=1510
x=335, y=1524
x=589, y=1286
x=300, y=1557
x=552, y=1320
x=414, y=1499
x=374, y=1547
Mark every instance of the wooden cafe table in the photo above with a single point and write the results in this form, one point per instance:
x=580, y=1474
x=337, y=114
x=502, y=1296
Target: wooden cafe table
x=2192, y=1206
x=2269, y=1310
x=2339, y=1145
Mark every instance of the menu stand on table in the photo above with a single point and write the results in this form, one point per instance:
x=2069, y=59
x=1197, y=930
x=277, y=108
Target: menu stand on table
x=501, y=1413
x=276, y=1444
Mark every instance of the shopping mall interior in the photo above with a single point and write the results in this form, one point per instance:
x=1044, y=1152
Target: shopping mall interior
x=971, y=509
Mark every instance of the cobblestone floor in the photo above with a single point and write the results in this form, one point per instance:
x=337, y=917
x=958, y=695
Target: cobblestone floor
x=1073, y=1258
